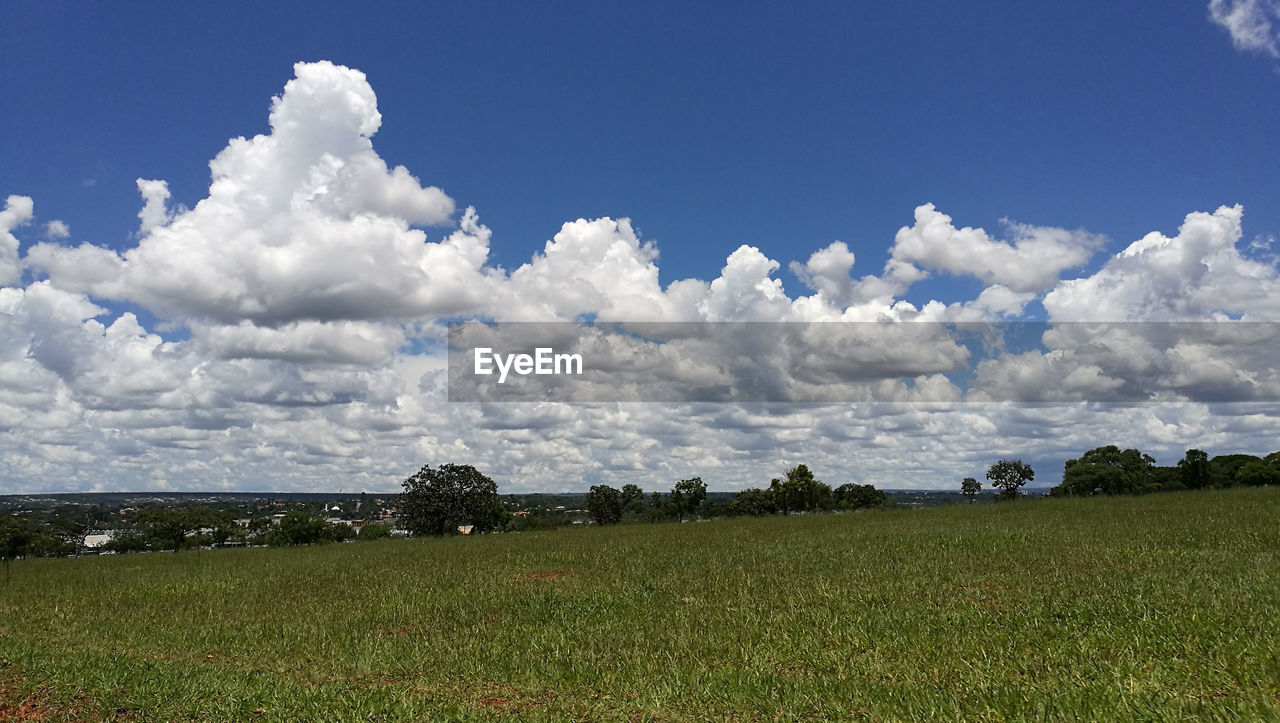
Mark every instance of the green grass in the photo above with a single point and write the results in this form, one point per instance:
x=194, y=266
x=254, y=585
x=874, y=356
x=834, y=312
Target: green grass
x=1165, y=607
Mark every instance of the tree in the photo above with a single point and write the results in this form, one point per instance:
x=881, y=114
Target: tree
x=297, y=527
x=852, y=496
x=1108, y=471
x=632, y=498
x=126, y=541
x=437, y=501
x=374, y=532
x=753, y=502
x=1257, y=473
x=15, y=535
x=1194, y=471
x=169, y=526
x=1223, y=468
x=1273, y=459
x=970, y=488
x=798, y=491
x=605, y=504
x=1008, y=475
x=686, y=496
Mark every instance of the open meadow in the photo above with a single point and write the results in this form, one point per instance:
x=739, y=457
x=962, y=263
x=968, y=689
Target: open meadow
x=1162, y=607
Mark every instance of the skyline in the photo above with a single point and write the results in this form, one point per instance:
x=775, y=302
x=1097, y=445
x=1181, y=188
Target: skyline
x=280, y=327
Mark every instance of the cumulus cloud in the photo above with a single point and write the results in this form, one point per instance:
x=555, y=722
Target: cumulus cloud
x=1254, y=25
x=56, y=229
x=1031, y=261
x=18, y=210
x=306, y=291
x=155, y=196
x=1199, y=274
x=303, y=223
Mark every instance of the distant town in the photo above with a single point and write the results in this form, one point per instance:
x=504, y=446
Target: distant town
x=112, y=522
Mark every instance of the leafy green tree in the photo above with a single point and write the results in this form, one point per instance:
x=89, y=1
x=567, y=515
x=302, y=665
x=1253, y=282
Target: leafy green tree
x=1194, y=471
x=70, y=530
x=15, y=536
x=374, y=532
x=337, y=533
x=754, y=502
x=1223, y=468
x=1257, y=473
x=438, y=501
x=852, y=496
x=127, y=541
x=605, y=504
x=1008, y=476
x=632, y=498
x=686, y=496
x=659, y=509
x=1108, y=471
x=970, y=488
x=1273, y=459
x=297, y=527
x=799, y=491
x=169, y=526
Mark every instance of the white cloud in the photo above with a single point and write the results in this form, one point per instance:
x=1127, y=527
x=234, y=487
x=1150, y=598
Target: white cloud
x=1031, y=262
x=1197, y=275
x=1254, y=25
x=17, y=211
x=306, y=223
x=155, y=195
x=308, y=272
x=56, y=229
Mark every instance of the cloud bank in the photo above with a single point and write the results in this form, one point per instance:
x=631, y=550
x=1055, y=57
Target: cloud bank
x=297, y=341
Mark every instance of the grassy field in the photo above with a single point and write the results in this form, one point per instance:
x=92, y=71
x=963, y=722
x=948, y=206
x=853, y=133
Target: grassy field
x=1164, y=607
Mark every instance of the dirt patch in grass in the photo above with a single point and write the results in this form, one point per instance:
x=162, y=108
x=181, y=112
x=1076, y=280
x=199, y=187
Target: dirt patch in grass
x=542, y=575
x=20, y=702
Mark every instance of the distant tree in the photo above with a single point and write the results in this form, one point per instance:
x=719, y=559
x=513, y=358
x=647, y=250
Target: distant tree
x=15, y=536
x=1108, y=471
x=438, y=501
x=632, y=498
x=168, y=526
x=1194, y=471
x=374, y=532
x=754, y=502
x=798, y=491
x=297, y=527
x=1009, y=475
x=1273, y=459
x=686, y=496
x=852, y=496
x=127, y=541
x=337, y=533
x=970, y=488
x=658, y=509
x=259, y=524
x=1257, y=473
x=605, y=504
x=70, y=530
x=1223, y=468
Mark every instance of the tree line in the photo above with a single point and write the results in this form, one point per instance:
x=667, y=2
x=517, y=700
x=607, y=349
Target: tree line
x=1109, y=470
x=439, y=501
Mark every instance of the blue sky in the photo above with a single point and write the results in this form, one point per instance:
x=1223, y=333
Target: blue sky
x=284, y=332
x=709, y=125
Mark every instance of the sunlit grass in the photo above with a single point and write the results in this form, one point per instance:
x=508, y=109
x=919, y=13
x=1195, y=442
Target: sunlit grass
x=1162, y=607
